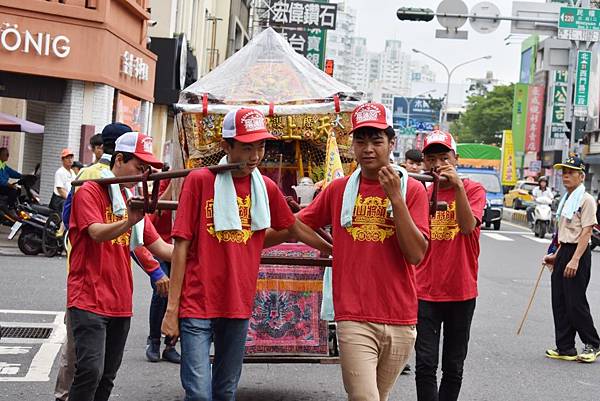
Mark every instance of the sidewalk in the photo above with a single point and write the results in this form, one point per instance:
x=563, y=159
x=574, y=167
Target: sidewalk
x=8, y=247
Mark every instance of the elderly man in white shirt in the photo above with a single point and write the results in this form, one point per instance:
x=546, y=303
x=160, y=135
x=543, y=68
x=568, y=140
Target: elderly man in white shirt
x=62, y=181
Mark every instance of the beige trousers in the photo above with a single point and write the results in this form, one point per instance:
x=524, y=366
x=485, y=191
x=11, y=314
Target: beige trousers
x=66, y=369
x=372, y=356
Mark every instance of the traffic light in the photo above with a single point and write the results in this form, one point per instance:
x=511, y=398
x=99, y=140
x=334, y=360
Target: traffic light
x=414, y=14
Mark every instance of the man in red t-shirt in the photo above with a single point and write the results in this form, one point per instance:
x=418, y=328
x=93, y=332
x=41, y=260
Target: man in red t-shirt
x=219, y=232
x=100, y=282
x=447, y=278
x=380, y=232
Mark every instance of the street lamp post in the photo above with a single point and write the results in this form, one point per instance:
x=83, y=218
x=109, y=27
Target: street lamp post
x=449, y=72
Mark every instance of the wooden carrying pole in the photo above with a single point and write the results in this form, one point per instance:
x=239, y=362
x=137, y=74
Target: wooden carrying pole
x=158, y=176
x=535, y=287
x=172, y=205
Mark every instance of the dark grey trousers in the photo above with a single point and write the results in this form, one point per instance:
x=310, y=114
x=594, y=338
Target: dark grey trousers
x=99, y=345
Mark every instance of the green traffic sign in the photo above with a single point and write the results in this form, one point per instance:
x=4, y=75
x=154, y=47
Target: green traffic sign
x=560, y=77
x=579, y=18
x=582, y=84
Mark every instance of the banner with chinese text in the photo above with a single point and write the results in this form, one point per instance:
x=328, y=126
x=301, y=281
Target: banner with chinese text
x=509, y=168
x=535, y=117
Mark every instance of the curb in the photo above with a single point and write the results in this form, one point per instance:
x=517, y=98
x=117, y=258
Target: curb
x=515, y=216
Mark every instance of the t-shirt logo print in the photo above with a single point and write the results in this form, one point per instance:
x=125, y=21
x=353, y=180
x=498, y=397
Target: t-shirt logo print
x=110, y=217
x=238, y=236
x=370, y=221
x=367, y=113
x=444, y=226
x=253, y=122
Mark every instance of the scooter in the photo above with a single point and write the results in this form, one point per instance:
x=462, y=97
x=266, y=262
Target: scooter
x=542, y=216
x=27, y=195
x=38, y=226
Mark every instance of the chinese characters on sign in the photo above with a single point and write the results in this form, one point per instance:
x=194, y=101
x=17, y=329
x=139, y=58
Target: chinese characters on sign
x=559, y=104
x=297, y=38
x=582, y=83
x=535, y=109
x=134, y=67
x=308, y=42
x=302, y=14
x=579, y=24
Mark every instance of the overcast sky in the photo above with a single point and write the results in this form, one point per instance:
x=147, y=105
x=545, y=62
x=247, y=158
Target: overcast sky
x=377, y=21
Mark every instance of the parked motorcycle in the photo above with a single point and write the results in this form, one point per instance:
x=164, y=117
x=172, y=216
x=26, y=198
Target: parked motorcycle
x=542, y=216
x=38, y=226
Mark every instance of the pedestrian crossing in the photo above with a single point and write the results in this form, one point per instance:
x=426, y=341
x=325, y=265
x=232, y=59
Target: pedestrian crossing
x=511, y=236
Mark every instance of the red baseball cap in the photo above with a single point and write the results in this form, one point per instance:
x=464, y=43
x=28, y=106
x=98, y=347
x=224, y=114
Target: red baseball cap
x=138, y=144
x=245, y=125
x=373, y=115
x=438, y=137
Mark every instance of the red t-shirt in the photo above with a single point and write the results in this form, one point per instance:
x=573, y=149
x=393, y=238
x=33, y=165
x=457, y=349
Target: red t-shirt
x=372, y=282
x=222, y=267
x=100, y=278
x=163, y=220
x=449, y=271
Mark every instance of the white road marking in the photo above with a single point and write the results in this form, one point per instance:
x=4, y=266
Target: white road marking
x=540, y=240
x=14, y=350
x=41, y=364
x=498, y=237
x=506, y=232
x=9, y=368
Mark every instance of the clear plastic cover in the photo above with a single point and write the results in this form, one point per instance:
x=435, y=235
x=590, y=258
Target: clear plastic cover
x=267, y=70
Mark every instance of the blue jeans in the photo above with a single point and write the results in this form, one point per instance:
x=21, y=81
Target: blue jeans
x=229, y=337
x=158, y=307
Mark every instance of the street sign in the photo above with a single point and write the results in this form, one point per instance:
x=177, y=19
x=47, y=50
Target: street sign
x=533, y=10
x=485, y=9
x=420, y=117
x=452, y=7
x=302, y=14
x=582, y=83
x=559, y=105
x=579, y=24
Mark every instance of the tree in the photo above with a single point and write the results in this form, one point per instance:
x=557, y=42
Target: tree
x=435, y=104
x=486, y=116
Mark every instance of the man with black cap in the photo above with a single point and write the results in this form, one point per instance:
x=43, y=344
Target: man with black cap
x=571, y=268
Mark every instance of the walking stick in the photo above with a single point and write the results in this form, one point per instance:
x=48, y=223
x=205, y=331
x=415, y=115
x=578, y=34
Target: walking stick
x=535, y=287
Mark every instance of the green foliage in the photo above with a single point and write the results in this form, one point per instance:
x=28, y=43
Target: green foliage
x=435, y=104
x=486, y=117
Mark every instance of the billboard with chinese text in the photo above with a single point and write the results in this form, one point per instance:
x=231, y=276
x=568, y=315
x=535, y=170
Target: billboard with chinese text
x=413, y=113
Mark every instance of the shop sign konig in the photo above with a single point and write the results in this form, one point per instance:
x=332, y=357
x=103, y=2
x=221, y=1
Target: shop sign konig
x=40, y=43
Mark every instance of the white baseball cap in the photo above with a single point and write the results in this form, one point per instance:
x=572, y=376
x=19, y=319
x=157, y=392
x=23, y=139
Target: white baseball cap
x=140, y=145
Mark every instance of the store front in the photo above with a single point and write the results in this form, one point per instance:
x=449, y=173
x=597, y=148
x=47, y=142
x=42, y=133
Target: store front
x=84, y=63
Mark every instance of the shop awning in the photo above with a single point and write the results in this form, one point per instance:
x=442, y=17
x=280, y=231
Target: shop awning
x=16, y=124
